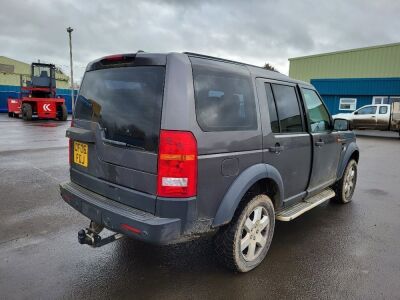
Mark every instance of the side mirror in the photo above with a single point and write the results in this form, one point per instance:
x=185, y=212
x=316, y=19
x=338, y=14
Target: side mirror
x=356, y=112
x=342, y=125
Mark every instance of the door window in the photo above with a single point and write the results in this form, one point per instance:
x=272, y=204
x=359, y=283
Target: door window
x=287, y=108
x=317, y=114
x=367, y=110
x=383, y=110
x=273, y=116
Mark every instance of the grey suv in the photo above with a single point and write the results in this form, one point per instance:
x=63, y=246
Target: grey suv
x=167, y=147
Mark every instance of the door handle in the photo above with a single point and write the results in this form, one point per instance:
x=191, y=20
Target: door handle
x=373, y=116
x=319, y=143
x=276, y=149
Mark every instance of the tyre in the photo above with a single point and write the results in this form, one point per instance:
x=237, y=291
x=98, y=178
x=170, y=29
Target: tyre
x=62, y=113
x=244, y=242
x=10, y=114
x=346, y=185
x=27, y=112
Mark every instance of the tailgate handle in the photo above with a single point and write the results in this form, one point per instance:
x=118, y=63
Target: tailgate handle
x=80, y=134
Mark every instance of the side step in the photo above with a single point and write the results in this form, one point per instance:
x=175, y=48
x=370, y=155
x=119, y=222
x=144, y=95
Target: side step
x=298, y=209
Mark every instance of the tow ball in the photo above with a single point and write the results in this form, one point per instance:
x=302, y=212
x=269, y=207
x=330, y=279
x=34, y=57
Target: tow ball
x=91, y=236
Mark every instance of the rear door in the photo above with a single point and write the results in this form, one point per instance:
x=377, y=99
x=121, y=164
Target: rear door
x=383, y=117
x=117, y=119
x=326, y=148
x=287, y=145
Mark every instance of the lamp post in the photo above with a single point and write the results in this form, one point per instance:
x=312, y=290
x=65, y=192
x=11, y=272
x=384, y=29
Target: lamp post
x=69, y=30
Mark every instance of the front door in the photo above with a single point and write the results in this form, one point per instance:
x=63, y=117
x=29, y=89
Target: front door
x=326, y=148
x=365, y=117
x=286, y=143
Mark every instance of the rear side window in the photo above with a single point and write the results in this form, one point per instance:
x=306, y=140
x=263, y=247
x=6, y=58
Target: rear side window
x=288, y=108
x=125, y=102
x=383, y=110
x=224, y=99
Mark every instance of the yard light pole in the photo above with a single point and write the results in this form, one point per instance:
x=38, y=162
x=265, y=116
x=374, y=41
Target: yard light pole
x=69, y=30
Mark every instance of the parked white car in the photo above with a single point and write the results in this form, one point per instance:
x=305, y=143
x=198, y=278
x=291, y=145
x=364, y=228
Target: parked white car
x=375, y=116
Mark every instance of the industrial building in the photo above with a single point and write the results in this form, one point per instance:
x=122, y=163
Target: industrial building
x=352, y=78
x=13, y=73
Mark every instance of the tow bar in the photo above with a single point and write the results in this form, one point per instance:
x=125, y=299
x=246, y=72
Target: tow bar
x=91, y=236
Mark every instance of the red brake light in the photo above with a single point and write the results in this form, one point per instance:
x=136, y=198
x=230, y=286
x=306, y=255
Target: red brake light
x=116, y=57
x=177, y=164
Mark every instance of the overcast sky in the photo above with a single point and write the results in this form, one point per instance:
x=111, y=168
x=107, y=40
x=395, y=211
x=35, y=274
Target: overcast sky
x=250, y=31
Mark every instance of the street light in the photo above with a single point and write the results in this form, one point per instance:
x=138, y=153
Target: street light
x=69, y=30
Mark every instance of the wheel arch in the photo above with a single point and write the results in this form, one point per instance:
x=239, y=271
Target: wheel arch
x=259, y=178
x=352, y=152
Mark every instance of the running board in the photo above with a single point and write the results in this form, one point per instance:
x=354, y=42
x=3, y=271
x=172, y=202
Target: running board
x=298, y=209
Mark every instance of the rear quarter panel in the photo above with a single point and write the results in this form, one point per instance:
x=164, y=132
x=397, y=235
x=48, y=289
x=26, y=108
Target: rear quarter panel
x=222, y=155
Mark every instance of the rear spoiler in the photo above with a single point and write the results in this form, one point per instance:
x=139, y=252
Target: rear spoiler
x=139, y=58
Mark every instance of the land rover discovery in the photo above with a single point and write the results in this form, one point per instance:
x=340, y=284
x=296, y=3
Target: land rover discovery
x=167, y=147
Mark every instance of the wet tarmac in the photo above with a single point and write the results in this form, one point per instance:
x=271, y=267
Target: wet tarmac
x=333, y=251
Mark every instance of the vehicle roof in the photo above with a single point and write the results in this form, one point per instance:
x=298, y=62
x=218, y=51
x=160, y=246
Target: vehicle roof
x=160, y=59
x=255, y=70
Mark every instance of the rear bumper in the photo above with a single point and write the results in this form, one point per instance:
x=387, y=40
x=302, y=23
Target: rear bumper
x=112, y=215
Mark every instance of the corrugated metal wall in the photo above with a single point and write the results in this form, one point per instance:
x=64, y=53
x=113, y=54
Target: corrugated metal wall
x=371, y=62
x=358, y=86
x=14, y=92
x=363, y=89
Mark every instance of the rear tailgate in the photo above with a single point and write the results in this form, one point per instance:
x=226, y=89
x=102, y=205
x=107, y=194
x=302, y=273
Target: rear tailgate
x=114, y=141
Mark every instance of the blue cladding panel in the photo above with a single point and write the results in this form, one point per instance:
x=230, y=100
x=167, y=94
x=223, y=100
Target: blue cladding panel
x=363, y=89
x=358, y=86
x=7, y=91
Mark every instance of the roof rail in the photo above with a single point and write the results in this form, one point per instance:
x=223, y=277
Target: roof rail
x=218, y=59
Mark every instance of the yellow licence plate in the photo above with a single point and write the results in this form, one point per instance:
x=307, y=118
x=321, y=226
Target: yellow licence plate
x=81, y=154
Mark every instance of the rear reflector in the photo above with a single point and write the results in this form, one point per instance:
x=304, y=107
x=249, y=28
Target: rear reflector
x=177, y=164
x=130, y=228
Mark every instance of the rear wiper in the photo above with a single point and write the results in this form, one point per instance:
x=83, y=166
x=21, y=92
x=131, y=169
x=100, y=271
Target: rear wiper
x=122, y=144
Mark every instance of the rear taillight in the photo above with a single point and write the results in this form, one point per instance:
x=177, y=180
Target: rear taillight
x=177, y=164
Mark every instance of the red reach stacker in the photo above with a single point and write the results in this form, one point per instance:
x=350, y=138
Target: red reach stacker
x=38, y=96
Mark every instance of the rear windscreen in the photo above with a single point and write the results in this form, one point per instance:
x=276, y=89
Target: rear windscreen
x=125, y=102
